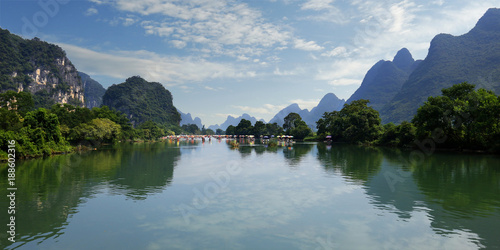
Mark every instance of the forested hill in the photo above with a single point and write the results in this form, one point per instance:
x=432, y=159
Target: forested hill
x=473, y=57
x=142, y=101
x=39, y=68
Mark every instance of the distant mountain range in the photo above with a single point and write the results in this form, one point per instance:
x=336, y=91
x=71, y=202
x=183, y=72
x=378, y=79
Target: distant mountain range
x=187, y=119
x=234, y=121
x=330, y=102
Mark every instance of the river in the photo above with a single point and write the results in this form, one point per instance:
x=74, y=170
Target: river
x=206, y=195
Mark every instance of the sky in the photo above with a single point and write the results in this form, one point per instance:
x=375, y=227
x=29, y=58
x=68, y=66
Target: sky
x=225, y=57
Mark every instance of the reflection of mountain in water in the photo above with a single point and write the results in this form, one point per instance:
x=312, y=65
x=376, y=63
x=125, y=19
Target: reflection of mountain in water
x=52, y=188
x=457, y=191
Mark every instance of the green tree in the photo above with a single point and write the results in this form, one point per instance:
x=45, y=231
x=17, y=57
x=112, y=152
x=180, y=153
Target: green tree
x=259, y=128
x=41, y=122
x=289, y=121
x=150, y=130
x=244, y=127
x=99, y=129
x=300, y=130
x=468, y=118
x=21, y=102
x=274, y=129
x=219, y=131
x=355, y=123
x=192, y=129
x=231, y=130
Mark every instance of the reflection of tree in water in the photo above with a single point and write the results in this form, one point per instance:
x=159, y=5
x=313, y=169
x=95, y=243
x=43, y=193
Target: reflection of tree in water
x=51, y=189
x=295, y=153
x=463, y=191
x=460, y=192
x=146, y=168
x=354, y=162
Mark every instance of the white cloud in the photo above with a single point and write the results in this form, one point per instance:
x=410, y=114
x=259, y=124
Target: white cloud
x=91, y=11
x=307, y=46
x=152, y=66
x=327, y=11
x=344, y=82
x=178, y=44
x=317, y=5
x=306, y=104
x=220, y=27
x=266, y=109
x=279, y=72
x=338, y=51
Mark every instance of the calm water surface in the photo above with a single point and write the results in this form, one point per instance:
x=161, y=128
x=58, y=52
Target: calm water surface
x=193, y=195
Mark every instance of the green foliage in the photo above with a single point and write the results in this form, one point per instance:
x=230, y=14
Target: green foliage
x=21, y=102
x=231, y=130
x=244, y=128
x=150, y=131
x=469, y=119
x=21, y=55
x=402, y=135
x=191, y=129
x=259, y=129
x=355, y=123
x=273, y=129
x=295, y=126
x=142, y=101
x=98, y=129
x=289, y=121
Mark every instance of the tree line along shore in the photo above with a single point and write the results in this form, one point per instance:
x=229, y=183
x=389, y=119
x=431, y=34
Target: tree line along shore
x=465, y=118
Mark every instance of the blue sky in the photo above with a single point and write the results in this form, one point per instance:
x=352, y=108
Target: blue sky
x=226, y=57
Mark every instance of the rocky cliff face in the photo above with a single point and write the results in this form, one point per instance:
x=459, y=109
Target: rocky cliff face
x=67, y=88
x=38, y=67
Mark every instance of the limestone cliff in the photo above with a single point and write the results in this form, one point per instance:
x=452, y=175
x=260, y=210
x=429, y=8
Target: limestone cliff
x=39, y=68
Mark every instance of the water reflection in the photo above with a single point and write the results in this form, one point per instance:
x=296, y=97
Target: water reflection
x=51, y=189
x=458, y=192
x=145, y=169
x=356, y=163
x=284, y=197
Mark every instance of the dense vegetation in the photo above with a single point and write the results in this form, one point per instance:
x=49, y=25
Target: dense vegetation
x=19, y=56
x=462, y=118
x=260, y=128
x=61, y=128
x=142, y=101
